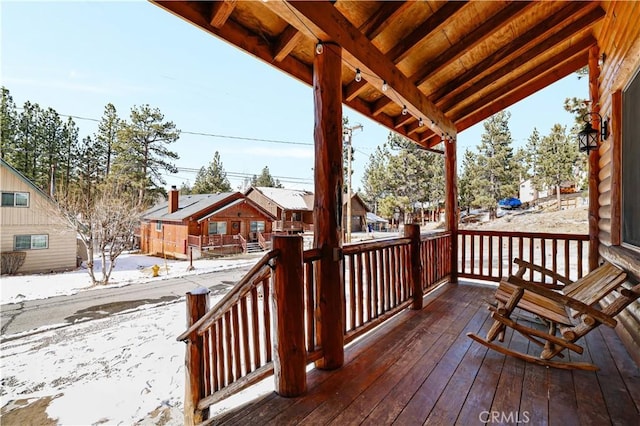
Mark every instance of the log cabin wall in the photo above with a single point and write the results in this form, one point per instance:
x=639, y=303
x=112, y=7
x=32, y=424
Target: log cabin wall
x=618, y=38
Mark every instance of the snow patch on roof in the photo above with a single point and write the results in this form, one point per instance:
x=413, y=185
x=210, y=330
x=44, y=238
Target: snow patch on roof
x=290, y=199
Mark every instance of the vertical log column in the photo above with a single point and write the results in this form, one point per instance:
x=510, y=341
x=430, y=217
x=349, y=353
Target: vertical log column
x=290, y=356
x=327, y=209
x=451, y=203
x=413, y=231
x=594, y=158
x=197, y=306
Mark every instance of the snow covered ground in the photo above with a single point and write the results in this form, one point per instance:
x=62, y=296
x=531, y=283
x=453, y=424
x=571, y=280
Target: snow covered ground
x=125, y=369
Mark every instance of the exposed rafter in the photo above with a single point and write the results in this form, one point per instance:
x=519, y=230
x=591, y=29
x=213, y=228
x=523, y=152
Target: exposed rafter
x=471, y=40
x=383, y=17
x=220, y=12
x=535, y=35
x=402, y=49
x=340, y=30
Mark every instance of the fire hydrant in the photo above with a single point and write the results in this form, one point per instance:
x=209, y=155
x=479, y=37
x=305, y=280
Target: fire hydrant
x=155, y=269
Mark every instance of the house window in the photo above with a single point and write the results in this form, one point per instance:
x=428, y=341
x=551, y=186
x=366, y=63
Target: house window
x=159, y=225
x=219, y=228
x=257, y=226
x=296, y=217
x=15, y=199
x=630, y=225
x=31, y=242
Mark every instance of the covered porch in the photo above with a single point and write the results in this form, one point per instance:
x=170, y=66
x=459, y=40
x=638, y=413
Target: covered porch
x=427, y=71
x=421, y=368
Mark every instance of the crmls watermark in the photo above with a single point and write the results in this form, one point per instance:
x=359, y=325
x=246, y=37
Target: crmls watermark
x=513, y=417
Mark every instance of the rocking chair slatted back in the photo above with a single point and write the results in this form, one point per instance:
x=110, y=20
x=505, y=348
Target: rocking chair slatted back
x=573, y=312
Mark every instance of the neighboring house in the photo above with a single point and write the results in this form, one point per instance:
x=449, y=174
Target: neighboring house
x=224, y=222
x=528, y=193
x=292, y=208
x=29, y=225
x=377, y=223
x=358, y=213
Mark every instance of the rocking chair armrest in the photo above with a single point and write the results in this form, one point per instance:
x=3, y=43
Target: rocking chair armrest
x=570, y=302
x=524, y=265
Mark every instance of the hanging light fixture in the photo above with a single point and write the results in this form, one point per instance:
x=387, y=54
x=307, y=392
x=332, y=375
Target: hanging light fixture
x=358, y=75
x=385, y=86
x=319, y=48
x=404, y=110
x=588, y=136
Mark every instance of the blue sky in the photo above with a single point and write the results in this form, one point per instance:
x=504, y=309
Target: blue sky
x=78, y=56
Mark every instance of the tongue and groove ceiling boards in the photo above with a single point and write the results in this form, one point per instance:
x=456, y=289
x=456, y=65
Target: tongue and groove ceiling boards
x=448, y=65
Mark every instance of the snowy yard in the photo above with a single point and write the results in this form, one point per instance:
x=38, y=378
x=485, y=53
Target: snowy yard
x=124, y=369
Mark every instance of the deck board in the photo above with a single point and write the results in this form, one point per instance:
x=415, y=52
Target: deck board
x=420, y=368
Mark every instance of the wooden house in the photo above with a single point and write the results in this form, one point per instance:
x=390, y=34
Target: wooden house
x=292, y=208
x=221, y=223
x=426, y=70
x=30, y=225
x=359, y=212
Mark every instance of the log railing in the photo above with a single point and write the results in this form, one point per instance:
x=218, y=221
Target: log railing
x=488, y=255
x=231, y=346
x=213, y=241
x=264, y=239
x=377, y=283
x=435, y=256
x=243, y=242
x=234, y=340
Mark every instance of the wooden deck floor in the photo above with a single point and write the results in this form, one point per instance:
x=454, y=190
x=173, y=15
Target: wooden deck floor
x=421, y=368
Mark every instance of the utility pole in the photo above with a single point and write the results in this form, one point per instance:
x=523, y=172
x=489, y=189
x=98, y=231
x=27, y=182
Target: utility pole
x=347, y=133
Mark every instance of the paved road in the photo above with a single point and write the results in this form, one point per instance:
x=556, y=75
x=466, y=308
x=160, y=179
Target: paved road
x=92, y=304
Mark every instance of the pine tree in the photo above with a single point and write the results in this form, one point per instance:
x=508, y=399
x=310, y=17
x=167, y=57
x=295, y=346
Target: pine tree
x=27, y=147
x=107, y=137
x=465, y=187
x=557, y=159
x=265, y=179
x=8, y=126
x=212, y=179
x=142, y=155
x=497, y=175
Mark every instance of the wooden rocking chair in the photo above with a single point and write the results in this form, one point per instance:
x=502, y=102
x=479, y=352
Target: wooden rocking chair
x=572, y=312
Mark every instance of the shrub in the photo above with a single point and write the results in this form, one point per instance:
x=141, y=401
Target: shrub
x=11, y=261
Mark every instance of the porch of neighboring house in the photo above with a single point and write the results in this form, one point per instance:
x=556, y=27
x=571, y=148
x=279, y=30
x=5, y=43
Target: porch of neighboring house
x=421, y=368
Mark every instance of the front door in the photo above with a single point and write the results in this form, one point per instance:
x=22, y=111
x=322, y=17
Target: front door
x=235, y=227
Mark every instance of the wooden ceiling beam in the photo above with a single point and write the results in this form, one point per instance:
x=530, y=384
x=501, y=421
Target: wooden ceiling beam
x=545, y=72
x=325, y=16
x=197, y=14
x=353, y=89
x=483, y=110
x=286, y=42
x=220, y=12
x=549, y=26
x=383, y=17
x=510, y=68
x=402, y=120
x=469, y=41
x=402, y=49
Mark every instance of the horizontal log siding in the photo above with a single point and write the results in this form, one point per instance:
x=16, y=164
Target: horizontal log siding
x=619, y=38
x=488, y=255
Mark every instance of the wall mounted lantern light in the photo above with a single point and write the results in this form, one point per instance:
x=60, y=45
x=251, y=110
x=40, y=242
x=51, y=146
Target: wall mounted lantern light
x=588, y=136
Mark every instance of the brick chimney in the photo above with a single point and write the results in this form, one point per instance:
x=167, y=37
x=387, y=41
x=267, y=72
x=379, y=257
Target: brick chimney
x=173, y=199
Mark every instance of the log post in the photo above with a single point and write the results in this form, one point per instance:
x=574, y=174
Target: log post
x=327, y=208
x=197, y=306
x=594, y=162
x=451, y=204
x=413, y=231
x=290, y=357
